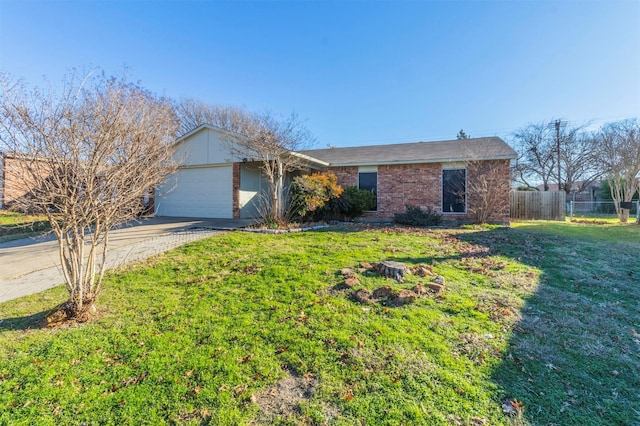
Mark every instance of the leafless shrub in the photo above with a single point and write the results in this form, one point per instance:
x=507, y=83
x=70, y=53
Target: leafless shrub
x=88, y=155
x=488, y=190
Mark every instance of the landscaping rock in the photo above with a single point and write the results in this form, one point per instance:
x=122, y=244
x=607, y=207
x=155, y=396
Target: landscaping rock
x=423, y=271
x=439, y=280
x=420, y=290
x=350, y=278
x=363, y=296
x=382, y=292
x=391, y=269
x=404, y=297
x=351, y=281
x=366, y=265
x=435, y=287
x=346, y=272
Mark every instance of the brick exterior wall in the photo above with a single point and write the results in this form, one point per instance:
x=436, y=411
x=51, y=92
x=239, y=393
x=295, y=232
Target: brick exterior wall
x=14, y=185
x=236, y=190
x=347, y=176
x=421, y=185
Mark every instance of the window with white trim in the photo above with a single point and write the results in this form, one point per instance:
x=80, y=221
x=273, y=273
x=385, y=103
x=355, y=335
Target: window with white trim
x=368, y=181
x=454, y=183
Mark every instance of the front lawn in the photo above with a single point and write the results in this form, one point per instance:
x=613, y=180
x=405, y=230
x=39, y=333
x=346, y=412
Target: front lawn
x=537, y=321
x=15, y=225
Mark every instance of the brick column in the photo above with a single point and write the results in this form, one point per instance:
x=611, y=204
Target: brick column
x=236, y=190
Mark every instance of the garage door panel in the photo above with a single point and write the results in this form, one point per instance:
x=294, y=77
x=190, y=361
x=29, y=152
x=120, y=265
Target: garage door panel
x=201, y=192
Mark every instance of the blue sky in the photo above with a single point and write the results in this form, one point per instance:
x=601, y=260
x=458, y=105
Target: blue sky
x=358, y=72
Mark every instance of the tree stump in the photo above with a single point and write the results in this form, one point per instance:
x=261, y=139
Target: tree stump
x=391, y=269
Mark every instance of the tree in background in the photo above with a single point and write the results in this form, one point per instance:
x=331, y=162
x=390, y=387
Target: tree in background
x=536, y=160
x=89, y=154
x=462, y=135
x=194, y=113
x=271, y=140
x=538, y=156
x=618, y=153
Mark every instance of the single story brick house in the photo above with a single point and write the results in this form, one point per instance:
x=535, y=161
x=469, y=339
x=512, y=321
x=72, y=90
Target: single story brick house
x=212, y=183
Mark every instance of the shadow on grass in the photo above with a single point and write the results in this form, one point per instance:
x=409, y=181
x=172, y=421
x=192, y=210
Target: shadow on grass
x=574, y=356
x=28, y=322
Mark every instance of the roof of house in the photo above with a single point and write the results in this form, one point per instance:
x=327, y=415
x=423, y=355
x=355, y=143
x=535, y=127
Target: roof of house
x=491, y=148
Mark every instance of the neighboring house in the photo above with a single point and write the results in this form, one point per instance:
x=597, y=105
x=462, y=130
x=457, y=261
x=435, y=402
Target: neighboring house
x=580, y=191
x=212, y=183
x=13, y=186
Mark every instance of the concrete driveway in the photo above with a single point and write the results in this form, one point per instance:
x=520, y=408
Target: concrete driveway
x=32, y=265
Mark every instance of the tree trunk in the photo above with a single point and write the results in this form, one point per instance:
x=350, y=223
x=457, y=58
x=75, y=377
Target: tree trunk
x=280, y=190
x=624, y=215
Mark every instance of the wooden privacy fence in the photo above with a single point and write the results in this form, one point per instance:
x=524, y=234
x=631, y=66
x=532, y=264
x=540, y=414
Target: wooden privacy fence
x=545, y=205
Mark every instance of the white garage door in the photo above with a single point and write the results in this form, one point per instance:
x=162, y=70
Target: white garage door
x=201, y=192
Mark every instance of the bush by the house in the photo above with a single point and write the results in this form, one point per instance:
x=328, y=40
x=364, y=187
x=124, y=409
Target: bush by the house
x=310, y=193
x=357, y=201
x=351, y=204
x=415, y=216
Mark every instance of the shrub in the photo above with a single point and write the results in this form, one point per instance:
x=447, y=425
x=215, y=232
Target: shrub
x=356, y=201
x=415, y=216
x=352, y=203
x=310, y=193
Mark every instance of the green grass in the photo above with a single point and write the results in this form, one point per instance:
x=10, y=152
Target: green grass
x=15, y=225
x=542, y=314
x=613, y=232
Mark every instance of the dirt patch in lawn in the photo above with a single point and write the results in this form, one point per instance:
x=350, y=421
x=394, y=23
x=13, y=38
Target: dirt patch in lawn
x=282, y=399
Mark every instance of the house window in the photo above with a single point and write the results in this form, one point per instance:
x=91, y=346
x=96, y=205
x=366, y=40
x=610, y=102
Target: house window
x=454, y=191
x=368, y=180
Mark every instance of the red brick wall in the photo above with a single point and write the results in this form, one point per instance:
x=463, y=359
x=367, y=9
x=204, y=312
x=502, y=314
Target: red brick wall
x=408, y=184
x=236, y=190
x=16, y=181
x=347, y=176
x=421, y=185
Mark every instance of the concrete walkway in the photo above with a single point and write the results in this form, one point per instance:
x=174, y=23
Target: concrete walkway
x=32, y=265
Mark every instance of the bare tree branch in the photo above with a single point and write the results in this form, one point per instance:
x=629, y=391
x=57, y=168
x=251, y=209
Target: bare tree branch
x=538, y=157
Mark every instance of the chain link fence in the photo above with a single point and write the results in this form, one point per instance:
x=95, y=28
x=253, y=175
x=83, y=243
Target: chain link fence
x=599, y=209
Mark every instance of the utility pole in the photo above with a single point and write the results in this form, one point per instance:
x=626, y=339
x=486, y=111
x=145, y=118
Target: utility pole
x=558, y=124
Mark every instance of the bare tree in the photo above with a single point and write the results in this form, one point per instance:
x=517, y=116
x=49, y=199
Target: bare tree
x=618, y=152
x=88, y=155
x=194, y=113
x=577, y=161
x=488, y=190
x=536, y=160
x=272, y=141
x=546, y=149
